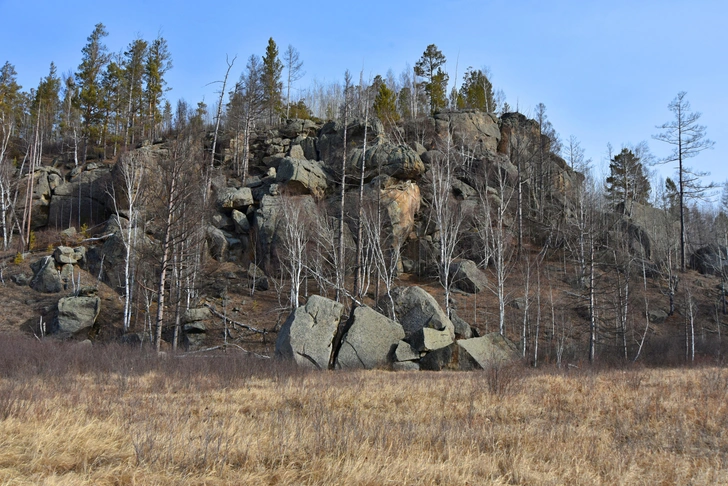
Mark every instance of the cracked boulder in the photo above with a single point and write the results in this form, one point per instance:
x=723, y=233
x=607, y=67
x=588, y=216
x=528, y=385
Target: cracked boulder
x=46, y=278
x=370, y=341
x=468, y=277
x=307, y=335
x=416, y=309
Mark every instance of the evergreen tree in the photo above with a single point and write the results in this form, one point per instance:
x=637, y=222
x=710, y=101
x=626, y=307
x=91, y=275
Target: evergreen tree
x=158, y=62
x=627, y=180
x=430, y=67
x=133, y=65
x=385, y=103
x=47, y=103
x=271, y=79
x=476, y=92
x=88, y=78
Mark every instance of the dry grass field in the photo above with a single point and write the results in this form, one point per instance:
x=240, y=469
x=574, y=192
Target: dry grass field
x=110, y=415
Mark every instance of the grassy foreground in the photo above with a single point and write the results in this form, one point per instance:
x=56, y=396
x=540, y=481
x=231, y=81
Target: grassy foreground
x=109, y=415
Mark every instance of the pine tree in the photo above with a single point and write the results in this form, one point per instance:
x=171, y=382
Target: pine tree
x=47, y=100
x=430, y=67
x=385, y=102
x=158, y=62
x=133, y=65
x=627, y=180
x=271, y=78
x=476, y=92
x=88, y=78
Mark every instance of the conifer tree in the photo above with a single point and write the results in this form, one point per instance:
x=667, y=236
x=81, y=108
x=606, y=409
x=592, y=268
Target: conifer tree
x=47, y=100
x=627, y=180
x=430, y=67
x=158, y=62
x=271, y=78
x=385, y=102
x=88, y=78
x=133, y=65
x=476, y=92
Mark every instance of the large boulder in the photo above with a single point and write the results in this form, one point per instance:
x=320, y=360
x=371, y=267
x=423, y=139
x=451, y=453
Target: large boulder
x=384, y=157
x=477, y=131
x=302, y=176
x=229, y=198
x=370, y=341
x=76, y=314
x=710, y=260
x=46, y=277
x=307, y=335
x=482, y=352
x=468, y=277
x=66, y=255
x=296, y=127
x=426, y=339
x=415, y=309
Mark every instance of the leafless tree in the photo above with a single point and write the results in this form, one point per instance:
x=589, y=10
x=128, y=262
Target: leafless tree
x=295, y=237
x=447, y=214
x=294, y=69
x=131, y=168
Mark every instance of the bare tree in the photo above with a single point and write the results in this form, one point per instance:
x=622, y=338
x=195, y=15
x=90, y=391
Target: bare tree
x=688, y=140
x=294, y=69
x=131, y=169
x=448, y=216
x=177, y=190
x=246, y=104
x=295, y=237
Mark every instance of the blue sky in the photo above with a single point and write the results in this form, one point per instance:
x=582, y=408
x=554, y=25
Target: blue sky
x=606, y=70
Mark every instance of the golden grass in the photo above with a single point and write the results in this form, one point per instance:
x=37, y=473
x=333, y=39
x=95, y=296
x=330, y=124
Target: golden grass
x=365, y=428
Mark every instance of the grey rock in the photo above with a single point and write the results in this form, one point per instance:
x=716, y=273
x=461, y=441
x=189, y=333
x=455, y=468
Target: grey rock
x=426, y=339
x=468, y=277
x=76, y=314
x=710, y=260
x=196, y=314
x=370, y=341
x=416, y=309
x=46, y=278
x=306, y=336
x=438, y=359
x=405, y=352
x=657, y=316
x=242, y=225
x=229, y=198
x=405, y=366
x=296, y=152
x=257, y=277
x=218, y=243
x=302, y=176
x=462, y=328
x=481, y=352
x=65, y=255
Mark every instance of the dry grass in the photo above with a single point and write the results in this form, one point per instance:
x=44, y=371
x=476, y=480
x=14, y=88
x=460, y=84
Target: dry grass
x=114, y=416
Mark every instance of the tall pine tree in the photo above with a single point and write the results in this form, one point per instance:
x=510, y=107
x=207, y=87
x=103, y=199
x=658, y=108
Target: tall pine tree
x=88, y=78
x=271, y=78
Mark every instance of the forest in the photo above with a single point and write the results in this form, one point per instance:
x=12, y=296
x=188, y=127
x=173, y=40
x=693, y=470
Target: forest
x=205, y=227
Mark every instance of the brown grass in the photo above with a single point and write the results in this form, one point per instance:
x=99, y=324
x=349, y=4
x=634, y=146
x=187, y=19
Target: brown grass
x=109, y=415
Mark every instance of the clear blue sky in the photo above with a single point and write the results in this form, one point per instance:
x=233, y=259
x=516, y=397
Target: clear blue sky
x=606, y=70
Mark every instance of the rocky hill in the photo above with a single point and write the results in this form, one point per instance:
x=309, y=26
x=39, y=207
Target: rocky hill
x=234, y=246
